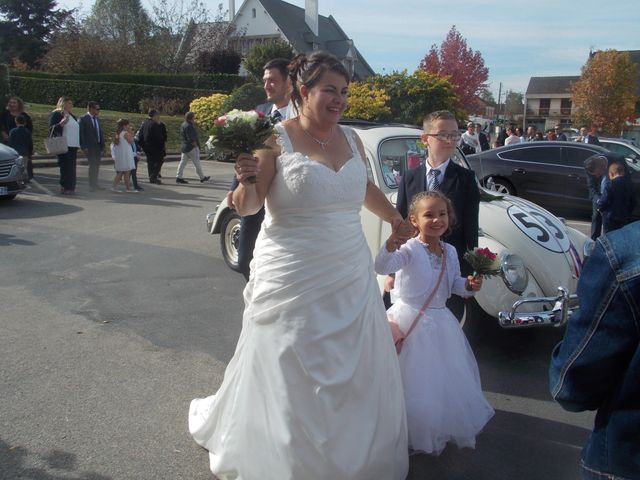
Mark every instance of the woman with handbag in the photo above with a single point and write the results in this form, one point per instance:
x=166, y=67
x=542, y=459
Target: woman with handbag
x=63, y=123
x=442, y=391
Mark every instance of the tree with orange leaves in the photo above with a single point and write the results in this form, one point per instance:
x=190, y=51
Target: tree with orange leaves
x=605, y=94
x=463, y=66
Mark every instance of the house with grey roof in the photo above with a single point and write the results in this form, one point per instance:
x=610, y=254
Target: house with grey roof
x=259, y=21
x=548, y=102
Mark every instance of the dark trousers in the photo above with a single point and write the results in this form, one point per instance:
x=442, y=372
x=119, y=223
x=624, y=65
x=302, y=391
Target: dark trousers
x=249, y=229
x=93, y=158
x=29, y=161
x=67, y=164
x=154, y=162
x=134, y=173
x=596, y=222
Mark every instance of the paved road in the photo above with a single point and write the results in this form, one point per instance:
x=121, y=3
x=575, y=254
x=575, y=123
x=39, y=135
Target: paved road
x=117, y=309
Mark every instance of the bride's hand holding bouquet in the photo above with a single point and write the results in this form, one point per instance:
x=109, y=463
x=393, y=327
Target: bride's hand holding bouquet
x=239, y=134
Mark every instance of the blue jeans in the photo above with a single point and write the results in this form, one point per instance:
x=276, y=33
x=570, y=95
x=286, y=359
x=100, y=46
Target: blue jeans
x=597, y=364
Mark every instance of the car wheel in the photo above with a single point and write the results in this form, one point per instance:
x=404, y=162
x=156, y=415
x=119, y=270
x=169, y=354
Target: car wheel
x=8, y=197
x=499, y=185
x=229, y=238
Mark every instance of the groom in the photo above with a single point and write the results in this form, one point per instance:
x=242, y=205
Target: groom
x=278, y=89
x=440, y=172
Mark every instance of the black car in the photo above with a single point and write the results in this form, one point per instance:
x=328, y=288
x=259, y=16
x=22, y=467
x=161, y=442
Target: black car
x=550, y=174
x=12, y=173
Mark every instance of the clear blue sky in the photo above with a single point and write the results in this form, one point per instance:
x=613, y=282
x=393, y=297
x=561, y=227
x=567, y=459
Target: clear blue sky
x=516, y=40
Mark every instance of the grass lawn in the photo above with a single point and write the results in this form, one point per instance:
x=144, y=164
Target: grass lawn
x=40, y=115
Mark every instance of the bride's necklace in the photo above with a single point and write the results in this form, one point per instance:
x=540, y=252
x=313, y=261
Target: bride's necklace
x=322, y=144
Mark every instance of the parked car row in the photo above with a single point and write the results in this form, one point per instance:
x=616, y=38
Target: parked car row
x=541, y=257
x=550, y=174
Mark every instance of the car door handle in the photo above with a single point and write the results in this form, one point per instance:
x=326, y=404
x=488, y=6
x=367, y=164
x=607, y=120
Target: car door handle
x=521, y=171
x=573, y=175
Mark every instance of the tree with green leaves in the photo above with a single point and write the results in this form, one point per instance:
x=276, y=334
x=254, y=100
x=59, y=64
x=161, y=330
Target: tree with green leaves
x=25, y=28
x=413, y=96
x=606, y=91
x=124, y=22
x=258, y=55
x=513, y=104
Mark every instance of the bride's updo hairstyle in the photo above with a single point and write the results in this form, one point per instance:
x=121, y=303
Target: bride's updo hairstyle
x=307, y=69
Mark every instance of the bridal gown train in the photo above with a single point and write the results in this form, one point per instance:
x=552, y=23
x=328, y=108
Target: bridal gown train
x=313, y=390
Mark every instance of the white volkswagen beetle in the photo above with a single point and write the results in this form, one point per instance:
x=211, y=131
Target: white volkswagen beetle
x=541, y=257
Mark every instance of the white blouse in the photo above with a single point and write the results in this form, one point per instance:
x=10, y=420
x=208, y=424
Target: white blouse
x=71, y=131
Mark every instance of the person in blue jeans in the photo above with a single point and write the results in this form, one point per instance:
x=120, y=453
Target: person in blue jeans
x=617, y=201
x=597, y=364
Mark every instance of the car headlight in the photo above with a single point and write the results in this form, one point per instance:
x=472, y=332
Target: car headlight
x=20, y=162
x=587, y=248
x=514, y=273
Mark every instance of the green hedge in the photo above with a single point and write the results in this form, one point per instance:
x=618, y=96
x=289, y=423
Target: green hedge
x=112, y=96
x=218, y=81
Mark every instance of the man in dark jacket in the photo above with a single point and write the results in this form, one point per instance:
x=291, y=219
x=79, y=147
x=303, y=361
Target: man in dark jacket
x=92, y=142
x=21, y=141
x=190, y=148
x=597, y=364
x=154, y=138
x=482, y=137
x=618, y=199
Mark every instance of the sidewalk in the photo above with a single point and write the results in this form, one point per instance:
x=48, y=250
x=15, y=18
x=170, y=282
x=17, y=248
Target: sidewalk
x=48, y=161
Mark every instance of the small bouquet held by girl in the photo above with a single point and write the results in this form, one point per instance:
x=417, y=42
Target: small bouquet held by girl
x=239, y=132
x=484, y=262
x=443, y=395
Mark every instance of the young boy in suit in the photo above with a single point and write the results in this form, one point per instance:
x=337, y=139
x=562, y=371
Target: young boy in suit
x=617, y=200
x=21, y=141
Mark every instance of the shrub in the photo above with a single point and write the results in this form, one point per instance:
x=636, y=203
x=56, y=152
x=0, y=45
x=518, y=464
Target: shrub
x=168, y=106
x=219, y=61
x=207, y=109
x=245, y=97
x=367, y=102
x=219, y=81
x=261, y=53
x=123, y=97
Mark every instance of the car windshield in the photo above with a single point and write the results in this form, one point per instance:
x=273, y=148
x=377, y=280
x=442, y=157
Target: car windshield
x=396, y=155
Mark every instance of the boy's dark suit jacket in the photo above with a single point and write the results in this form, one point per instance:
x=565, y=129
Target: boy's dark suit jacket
x=460, y=187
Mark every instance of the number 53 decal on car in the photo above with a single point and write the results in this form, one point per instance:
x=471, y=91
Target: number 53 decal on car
x=545, y=230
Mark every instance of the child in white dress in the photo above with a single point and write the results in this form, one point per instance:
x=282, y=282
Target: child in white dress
x=122, y=154
x=443, y=396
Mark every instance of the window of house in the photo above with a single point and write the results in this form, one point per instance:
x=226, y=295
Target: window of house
x=565, y=106
x=545, y=103
x=253, y=12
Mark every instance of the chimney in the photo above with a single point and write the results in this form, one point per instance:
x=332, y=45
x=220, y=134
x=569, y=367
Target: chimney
x=232, y=10
x=311, y=15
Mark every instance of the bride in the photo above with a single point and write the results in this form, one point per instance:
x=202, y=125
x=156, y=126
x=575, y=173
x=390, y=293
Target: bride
x=313, y=390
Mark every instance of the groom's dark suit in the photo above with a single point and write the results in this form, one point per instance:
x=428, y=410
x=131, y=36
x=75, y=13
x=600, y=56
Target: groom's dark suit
x=459, y=185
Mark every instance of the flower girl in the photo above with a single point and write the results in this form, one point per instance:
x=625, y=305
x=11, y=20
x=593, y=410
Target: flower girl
x=443, y=396
x=122, y=154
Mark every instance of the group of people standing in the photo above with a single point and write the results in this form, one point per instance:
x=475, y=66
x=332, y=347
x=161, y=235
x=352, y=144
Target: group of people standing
x=16, y=130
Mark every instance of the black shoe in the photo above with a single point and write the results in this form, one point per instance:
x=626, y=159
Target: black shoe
x=155, y=180
x=181, y=180
x=159, y=176
x=204, y=179
x=138, y=188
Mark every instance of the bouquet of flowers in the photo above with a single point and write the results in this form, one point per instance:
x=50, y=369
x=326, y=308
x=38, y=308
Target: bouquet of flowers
x=484, y=262
x=240, y=132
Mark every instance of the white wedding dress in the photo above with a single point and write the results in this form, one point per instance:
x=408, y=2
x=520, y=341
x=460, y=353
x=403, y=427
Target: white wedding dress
x=313, y=390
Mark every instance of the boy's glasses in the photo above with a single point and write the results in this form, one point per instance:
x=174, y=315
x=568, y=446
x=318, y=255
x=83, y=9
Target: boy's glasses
x=445, y=137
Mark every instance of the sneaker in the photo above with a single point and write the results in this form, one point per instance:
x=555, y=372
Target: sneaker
x=132, y=190
x=181, y=180
x=139, y=188
x=205, y=179
x=116, y=190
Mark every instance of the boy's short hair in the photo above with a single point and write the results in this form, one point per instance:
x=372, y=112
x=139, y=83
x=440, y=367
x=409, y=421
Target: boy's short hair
x=21, y=119
x=92, y=104
x=594, y=162
x=435, y=116
x=616, y=168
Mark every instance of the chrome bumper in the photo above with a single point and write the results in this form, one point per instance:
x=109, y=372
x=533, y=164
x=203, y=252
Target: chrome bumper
x=563, y=307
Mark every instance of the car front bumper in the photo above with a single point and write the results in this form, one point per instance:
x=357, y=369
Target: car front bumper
x=564, y=304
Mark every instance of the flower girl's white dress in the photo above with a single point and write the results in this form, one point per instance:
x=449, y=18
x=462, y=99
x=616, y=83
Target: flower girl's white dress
x=443, y=396
x=313, y=390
